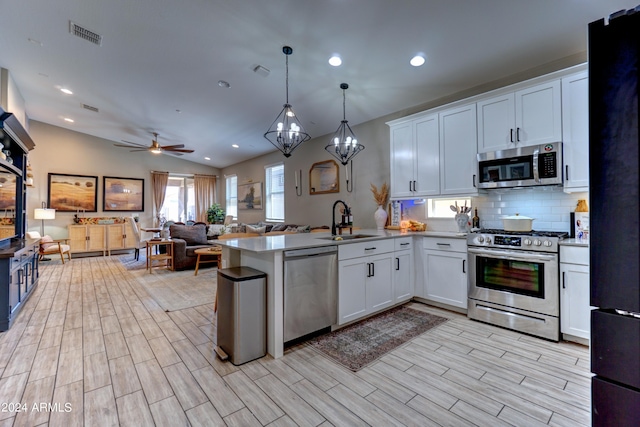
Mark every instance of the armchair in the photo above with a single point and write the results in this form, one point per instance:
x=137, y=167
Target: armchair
x=48, y=246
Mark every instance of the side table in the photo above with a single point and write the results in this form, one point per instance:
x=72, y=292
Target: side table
x=208, y=252
x=164, y=260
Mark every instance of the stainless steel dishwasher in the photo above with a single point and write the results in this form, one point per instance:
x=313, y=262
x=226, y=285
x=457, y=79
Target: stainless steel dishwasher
x=310, y=290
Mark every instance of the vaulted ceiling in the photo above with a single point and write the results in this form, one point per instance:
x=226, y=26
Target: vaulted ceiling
x=159, y=62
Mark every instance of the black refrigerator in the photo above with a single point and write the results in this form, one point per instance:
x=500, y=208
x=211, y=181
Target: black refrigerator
x=614, y=163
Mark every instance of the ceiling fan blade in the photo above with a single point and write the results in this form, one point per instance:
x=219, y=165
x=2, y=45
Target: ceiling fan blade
x=138, y=149
x=133, y=143
x=171, y=147
x=179, y=150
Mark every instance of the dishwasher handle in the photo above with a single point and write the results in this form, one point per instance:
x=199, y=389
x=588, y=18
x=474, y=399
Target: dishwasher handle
x=307, y=252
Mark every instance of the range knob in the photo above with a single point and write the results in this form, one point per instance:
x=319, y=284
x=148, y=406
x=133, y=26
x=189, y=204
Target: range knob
x=488, y=240
x=527, y=242
x=537, y=242
x=547, y=243
x=480, y=239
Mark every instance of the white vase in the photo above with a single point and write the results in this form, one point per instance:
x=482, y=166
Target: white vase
x=380, y=216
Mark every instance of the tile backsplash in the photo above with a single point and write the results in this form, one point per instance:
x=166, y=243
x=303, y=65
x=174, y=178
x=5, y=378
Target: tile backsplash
x=549, y=206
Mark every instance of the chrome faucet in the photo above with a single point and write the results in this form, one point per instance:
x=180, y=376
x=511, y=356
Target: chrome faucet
x=333, y=215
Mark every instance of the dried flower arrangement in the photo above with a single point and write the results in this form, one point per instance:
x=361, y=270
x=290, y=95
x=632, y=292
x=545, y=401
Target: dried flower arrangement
x=381, y=197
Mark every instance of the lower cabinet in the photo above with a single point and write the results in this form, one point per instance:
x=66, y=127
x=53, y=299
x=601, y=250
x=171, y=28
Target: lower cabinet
x=120, y=236
x=365, y=279
x=403, y=269
x=18, y=278
x=445, y=271
x=575, y=311
x=101, y=237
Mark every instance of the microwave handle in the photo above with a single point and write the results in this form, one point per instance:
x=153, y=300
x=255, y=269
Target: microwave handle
x=536, y=172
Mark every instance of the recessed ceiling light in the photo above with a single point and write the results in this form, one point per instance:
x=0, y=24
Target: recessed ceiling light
x=335, y=60
x=34, y=41
x=417, y=60
x=67, y=119
x=65, y=90
x=207, y=158
x=224, y=84
x=235, y=145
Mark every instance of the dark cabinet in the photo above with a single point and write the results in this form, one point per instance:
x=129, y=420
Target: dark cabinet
x=19, y=271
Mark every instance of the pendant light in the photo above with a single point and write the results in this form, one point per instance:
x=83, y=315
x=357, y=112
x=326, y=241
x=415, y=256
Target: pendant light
x=344, y=144
x=286, y=132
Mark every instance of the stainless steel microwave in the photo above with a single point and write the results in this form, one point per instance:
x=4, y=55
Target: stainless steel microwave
x=521, y=167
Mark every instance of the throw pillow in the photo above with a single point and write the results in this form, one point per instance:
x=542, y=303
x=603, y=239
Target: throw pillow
x=292, y=228
x=192, y=234
x=259, y=230
x=304, y=229
x=279, y=227
x=46, y=242
x=215, y=230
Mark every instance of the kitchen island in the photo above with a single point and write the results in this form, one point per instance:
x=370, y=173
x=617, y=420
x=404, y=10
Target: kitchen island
x=266, y=253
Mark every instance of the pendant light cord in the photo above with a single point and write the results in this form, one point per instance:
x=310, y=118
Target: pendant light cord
x=287, y=77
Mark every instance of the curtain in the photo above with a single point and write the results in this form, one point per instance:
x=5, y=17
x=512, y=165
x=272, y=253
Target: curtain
x=204, y=188
x=159, y=182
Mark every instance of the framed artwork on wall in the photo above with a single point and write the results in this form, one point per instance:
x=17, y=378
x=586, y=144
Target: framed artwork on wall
x=70, y=193
x=250, y=196
x=123, y=194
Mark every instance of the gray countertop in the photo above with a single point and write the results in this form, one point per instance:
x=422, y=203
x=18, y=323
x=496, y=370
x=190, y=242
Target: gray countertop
x=283, y=242
x=574, y=242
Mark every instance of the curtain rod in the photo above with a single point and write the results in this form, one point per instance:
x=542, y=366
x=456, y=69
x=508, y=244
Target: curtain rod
x=185, y=174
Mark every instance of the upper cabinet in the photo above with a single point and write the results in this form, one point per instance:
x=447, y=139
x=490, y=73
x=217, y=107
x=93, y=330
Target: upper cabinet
x=415, y=157
x=575, y=131
x=458, y=164
x=529, y=116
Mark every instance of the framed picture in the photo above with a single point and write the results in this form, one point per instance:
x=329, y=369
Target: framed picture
x=250, y=196
x=123, y=194
x=323, y=177
x=68, y=193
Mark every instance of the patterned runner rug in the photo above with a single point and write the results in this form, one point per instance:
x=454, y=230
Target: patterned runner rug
x=362, y=343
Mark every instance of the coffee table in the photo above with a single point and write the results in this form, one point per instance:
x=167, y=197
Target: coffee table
x=215, y=251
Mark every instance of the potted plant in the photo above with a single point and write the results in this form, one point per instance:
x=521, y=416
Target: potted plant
x=215, y=214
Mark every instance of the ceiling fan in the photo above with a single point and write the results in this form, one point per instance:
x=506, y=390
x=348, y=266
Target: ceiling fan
x=156, y=148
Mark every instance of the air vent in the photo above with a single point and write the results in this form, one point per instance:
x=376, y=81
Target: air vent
x=83, y=33
x=90, y=108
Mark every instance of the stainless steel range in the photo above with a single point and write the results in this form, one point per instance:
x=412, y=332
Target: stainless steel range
x=514, y=280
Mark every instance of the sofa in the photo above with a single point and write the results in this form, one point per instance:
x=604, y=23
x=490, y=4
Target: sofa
x=186, y=239
x=261, y=228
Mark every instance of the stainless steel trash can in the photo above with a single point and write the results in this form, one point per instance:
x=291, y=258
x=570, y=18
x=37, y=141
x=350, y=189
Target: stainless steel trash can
x=242, y=313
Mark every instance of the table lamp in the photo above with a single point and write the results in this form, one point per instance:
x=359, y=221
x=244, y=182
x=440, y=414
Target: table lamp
x=42, y=214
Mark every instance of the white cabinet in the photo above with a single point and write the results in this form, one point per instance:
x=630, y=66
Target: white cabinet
x=445, y=271
x=403, y=269
x=575, y=311
x=529, y=116
x=365, y=279
x=575, y=131
x=415, y=157
x=458, y=143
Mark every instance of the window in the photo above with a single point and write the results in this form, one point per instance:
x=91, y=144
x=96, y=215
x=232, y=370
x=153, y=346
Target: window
x=274, y=192
x=231, y=202
x=179, y=199
x=441, y=208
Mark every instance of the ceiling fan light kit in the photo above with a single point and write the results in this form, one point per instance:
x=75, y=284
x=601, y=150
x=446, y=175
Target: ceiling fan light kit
x=344, y=145
x=286, y=133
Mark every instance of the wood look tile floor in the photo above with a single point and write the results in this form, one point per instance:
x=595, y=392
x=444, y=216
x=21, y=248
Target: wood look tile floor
x=90, y=347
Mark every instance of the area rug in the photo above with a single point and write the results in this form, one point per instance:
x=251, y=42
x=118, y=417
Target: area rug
x=176, y=290
x=362, y=343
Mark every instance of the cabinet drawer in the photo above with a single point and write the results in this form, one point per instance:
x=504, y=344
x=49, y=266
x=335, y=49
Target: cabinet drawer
x=445, y=244
x=402, y=243
x=574, y=255
x=354, y=250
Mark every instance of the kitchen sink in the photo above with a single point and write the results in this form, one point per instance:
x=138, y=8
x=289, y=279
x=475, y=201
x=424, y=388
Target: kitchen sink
x=348, y=237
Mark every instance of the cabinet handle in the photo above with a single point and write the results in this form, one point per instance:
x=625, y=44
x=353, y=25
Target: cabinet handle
x=474, y=180
x=511, y=135
x=443, y=244
x=373, y=269
x=404, y=244
x=463, y=269
x=368, y=269
x=370, y=249
x=566, y=172
x=397, y=264
x=410, y=186
x=517, y=134
x=563, y=285
x=414, y=185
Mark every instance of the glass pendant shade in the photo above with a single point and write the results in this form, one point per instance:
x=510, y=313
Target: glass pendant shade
x=344, y=144
x=286, y=133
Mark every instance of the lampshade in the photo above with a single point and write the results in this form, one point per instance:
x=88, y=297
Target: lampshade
x=344, y=144
x=44, y=213
x=286, y=133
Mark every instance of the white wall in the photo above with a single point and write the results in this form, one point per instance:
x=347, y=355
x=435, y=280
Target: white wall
x=59, y=150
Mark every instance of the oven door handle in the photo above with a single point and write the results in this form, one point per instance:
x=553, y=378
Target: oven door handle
x=512, y=256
